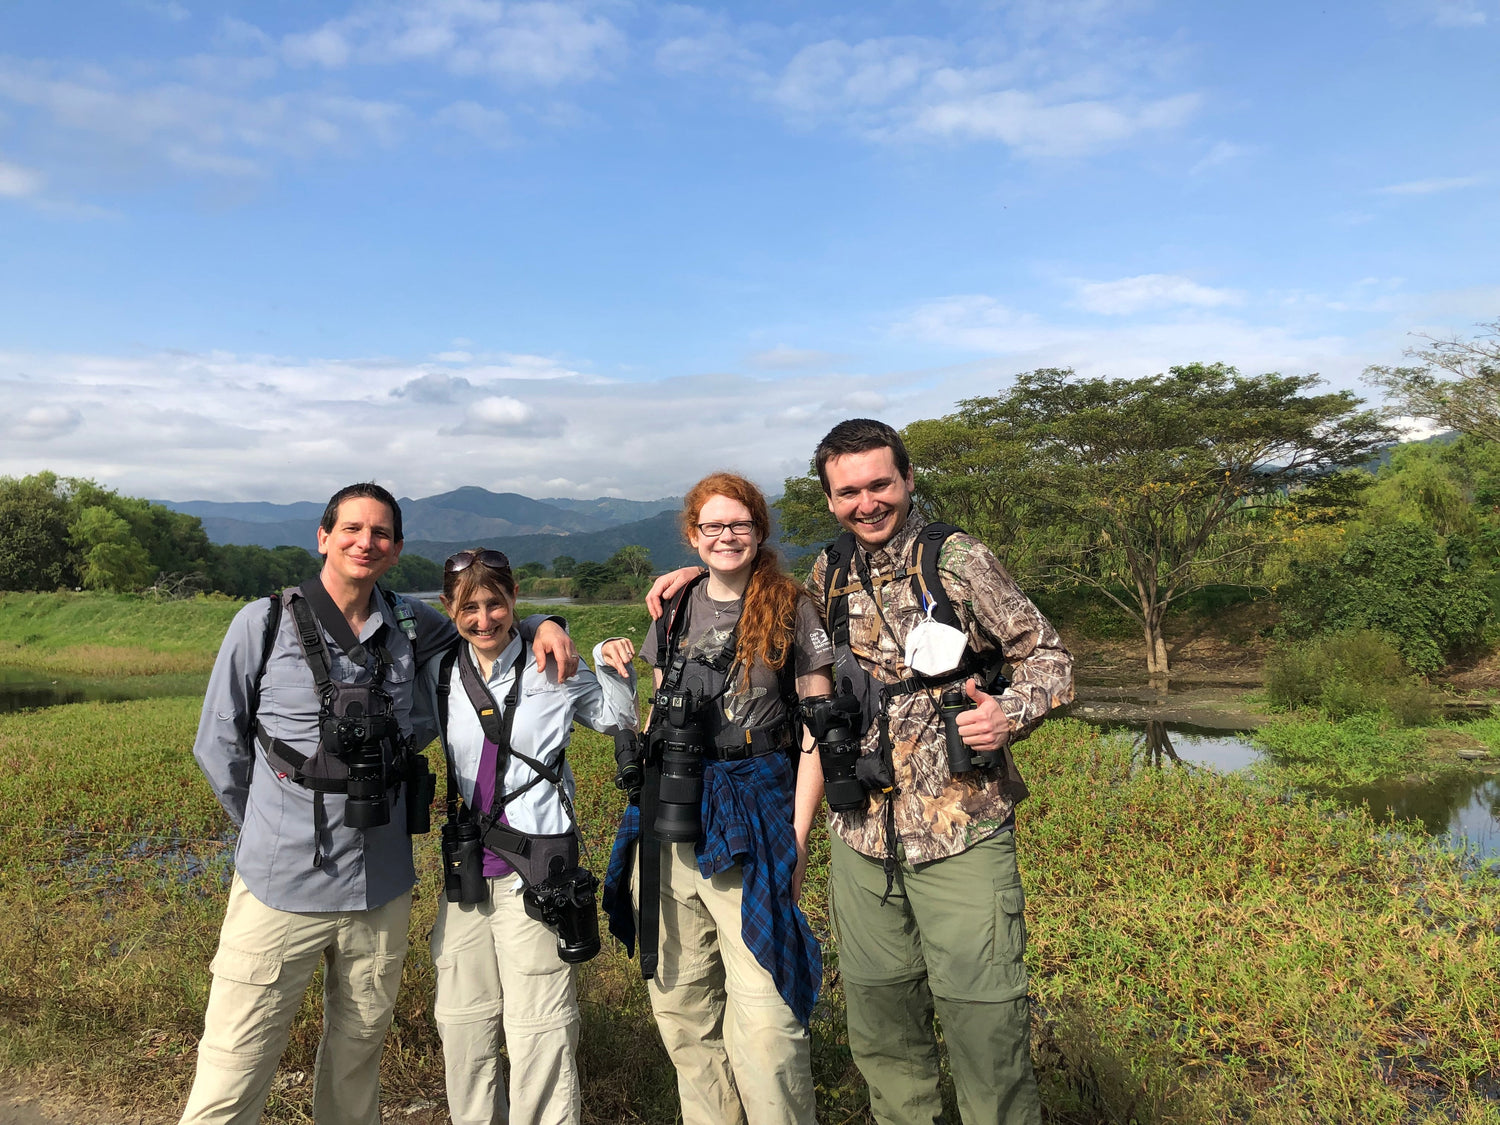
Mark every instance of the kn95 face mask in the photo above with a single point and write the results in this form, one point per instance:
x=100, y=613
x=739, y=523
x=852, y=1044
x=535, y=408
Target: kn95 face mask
x=933, y=648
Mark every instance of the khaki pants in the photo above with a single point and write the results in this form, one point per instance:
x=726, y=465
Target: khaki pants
x=498, y=966
x=265, y=960
x=951, y=938
x=739, y=1051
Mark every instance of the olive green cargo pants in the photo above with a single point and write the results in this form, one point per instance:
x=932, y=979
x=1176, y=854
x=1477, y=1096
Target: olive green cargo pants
x=951, y=938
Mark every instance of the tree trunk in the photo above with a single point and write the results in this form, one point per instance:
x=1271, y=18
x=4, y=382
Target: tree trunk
x=1156, y=646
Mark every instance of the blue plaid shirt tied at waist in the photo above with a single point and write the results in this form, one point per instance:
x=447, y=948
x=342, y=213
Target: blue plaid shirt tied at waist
x=747, y=807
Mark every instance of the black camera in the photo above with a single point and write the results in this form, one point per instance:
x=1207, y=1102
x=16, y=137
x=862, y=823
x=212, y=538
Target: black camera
x=463, y=862
x=951, y=704
x=564, y=903
x=358, y=738
x=679, y=742
x=629, y=775
x=831, y=719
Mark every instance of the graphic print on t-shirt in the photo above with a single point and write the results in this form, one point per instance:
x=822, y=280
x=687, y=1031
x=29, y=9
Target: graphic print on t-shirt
x=711, y=647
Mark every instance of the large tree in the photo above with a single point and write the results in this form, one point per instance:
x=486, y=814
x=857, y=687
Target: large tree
x=1457, y=384
x=1150, y=488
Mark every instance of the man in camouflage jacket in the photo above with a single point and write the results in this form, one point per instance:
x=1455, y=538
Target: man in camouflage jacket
x=945, y=931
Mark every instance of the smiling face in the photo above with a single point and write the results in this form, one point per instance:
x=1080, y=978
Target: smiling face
x=728, y=553
x=868, y=495
x=362, y=545
x=484, y=617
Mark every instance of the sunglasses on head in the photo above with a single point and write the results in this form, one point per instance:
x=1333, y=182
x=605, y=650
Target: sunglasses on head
x=495, y=560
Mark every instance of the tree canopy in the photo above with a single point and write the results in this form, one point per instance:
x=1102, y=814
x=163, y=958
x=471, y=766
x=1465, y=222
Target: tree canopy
x=1466, y=398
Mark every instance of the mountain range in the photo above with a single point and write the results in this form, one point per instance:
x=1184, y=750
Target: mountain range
x=436, y=526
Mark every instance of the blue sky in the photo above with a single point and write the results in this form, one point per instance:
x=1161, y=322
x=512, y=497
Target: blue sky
x=253, y=251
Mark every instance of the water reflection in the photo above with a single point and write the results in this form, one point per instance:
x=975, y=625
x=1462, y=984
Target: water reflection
x=1461, y=810
x=25, y=689
x=1463, y=807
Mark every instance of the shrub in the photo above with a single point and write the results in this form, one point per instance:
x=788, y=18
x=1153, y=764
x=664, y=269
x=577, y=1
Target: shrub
x=1356, y=673
x=1401, y=581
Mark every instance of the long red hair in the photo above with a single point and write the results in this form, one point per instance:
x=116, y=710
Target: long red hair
x=769, y=611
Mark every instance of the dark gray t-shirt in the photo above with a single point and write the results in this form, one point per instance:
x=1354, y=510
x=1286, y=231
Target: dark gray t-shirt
x=707, y=636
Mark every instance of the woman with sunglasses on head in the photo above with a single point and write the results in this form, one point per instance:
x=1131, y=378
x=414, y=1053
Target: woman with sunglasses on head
x=510, y=852
x=737, y=970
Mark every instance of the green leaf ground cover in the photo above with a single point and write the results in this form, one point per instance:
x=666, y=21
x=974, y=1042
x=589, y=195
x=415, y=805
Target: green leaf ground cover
x=1202, y=948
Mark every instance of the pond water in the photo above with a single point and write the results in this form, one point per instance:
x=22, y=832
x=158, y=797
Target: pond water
x=23, y=689
x=1462, y=810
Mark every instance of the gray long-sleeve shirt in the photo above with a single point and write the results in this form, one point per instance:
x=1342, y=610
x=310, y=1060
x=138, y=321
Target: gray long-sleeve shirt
x=362, y=868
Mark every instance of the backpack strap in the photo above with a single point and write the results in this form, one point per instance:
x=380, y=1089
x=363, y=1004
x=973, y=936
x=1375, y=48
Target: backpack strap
x=929, y=586
x=252, y=696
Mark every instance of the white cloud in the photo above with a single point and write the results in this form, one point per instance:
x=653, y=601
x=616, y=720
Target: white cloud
x=234, y=426
x=193, y=129
x=1220, y=154
x=975, y=322
x=1047, y=81
x=1030, y=125
x=42, y=423
x=1150, y=291
x=483, y=123
x=1439, y=13
x=17, y=182
x=783, y=358
x=1432, y=186
x=538, y=42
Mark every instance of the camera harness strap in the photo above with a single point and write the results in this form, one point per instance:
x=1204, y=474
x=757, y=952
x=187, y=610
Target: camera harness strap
x=529, y=853
x=845, y=556
x=322, y=771
x=730, y=741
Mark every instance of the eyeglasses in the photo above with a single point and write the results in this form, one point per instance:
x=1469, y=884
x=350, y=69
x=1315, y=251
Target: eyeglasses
x=495, y=560
x=714, y=530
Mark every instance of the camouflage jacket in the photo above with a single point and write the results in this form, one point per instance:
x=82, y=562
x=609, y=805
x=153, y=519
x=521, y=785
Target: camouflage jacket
x=938, y=815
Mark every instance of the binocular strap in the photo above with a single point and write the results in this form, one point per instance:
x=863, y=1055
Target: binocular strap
x=649, y=853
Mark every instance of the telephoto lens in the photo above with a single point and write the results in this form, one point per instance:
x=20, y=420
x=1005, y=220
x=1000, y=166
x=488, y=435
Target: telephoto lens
x=831, y=720
x=463, y=863
x=367, y=805
x=951, y=704
x=680, y=740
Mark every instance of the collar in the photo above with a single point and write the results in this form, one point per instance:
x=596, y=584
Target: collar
x=898, y=546
x=500, y=670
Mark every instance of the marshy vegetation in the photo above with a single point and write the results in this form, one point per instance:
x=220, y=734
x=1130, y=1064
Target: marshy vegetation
x=1204, y=948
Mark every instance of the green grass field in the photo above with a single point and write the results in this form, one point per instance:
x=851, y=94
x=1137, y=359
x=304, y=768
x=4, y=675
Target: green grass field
x=1203, y=948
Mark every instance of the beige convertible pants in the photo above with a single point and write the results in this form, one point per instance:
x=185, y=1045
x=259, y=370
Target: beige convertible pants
x=739, y=1051
x=265, y=960
x=498, y=966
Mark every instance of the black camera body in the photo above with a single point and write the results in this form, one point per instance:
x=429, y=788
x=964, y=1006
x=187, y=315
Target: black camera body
x=678, y=742
x=564, y=903
x=831, y=719
x=357, y=724
x=463, y=863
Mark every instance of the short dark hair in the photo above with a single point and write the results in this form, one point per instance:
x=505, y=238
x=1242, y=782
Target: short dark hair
x=366, y=490
x=859, y=435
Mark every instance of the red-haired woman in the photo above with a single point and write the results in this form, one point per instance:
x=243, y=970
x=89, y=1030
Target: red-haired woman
x=738, y=968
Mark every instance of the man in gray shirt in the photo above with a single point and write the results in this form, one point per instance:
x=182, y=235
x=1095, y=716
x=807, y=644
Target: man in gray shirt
x=309, y=888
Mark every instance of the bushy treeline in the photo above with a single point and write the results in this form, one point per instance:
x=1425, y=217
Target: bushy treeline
x=624, y=576
x=1145, y=494
x=67, y=533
